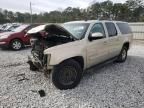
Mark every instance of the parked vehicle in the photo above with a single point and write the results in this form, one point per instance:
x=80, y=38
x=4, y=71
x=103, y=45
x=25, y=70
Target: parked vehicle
x=3, y=27
x=68, y=49
x=16, y=39
x=9, y=27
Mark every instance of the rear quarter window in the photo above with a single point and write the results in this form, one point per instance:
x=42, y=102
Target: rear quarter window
x=124, y=28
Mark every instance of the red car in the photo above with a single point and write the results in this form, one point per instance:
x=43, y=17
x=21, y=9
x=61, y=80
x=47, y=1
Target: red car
x=16, y=39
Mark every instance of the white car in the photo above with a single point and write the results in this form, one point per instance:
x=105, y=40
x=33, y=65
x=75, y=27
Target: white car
x=66, y=50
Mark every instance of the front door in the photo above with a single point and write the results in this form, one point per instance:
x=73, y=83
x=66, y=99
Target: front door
x=97, y=50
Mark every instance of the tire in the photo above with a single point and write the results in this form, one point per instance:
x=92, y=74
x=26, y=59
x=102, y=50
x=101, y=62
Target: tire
x=16, y=44
x=123, y=55
x=67, y=75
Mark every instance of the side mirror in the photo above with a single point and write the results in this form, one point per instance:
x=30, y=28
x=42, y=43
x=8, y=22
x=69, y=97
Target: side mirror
x=95, y=36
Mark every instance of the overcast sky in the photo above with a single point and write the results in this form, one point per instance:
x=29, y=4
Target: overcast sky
x=46, y=5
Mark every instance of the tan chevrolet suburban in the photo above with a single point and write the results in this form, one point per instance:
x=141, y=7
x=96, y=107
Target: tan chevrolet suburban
x=66, y=50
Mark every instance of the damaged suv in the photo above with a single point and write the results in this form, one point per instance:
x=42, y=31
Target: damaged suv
x=66, y=50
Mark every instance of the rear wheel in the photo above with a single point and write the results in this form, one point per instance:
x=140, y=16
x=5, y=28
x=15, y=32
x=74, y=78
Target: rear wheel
x=16, y=44
x=123, y=55
x=67, y=75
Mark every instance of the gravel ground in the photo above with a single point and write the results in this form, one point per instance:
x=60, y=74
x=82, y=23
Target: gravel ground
x=111, y=86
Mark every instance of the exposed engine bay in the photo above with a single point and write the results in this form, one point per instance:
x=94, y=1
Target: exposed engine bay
x=51, y=36
x=40, y=44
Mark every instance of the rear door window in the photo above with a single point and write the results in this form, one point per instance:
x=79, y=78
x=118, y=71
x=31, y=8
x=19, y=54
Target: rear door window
x=124, y=28
x=112, y=31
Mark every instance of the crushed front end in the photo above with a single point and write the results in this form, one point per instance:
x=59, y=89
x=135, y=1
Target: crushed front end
x=37, y=60
x=42, y=38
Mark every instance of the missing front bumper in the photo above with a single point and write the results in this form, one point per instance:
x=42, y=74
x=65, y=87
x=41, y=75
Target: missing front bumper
x=37, y=65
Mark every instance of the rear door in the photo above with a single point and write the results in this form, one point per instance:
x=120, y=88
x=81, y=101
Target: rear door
x=114, y=43
x=97, y=50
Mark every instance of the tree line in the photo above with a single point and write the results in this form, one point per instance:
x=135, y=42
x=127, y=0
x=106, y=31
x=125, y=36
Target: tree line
x=130, y=11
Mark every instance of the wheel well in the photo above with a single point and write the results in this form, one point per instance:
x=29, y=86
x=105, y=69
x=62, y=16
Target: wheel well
x=79, y=59
x=126, y=44
x=17, y=39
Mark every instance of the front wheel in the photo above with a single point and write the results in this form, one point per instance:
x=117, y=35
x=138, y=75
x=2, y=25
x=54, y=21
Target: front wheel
x=16, y=44
x=67, y=75
x=123, y=55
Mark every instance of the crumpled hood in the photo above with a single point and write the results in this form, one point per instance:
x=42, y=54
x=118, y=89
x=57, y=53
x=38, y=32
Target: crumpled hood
x=51, y=29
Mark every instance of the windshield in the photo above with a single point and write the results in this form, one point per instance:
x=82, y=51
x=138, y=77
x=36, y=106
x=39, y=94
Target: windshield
x=78, y=30
x=12, y=28
x=20, y=28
